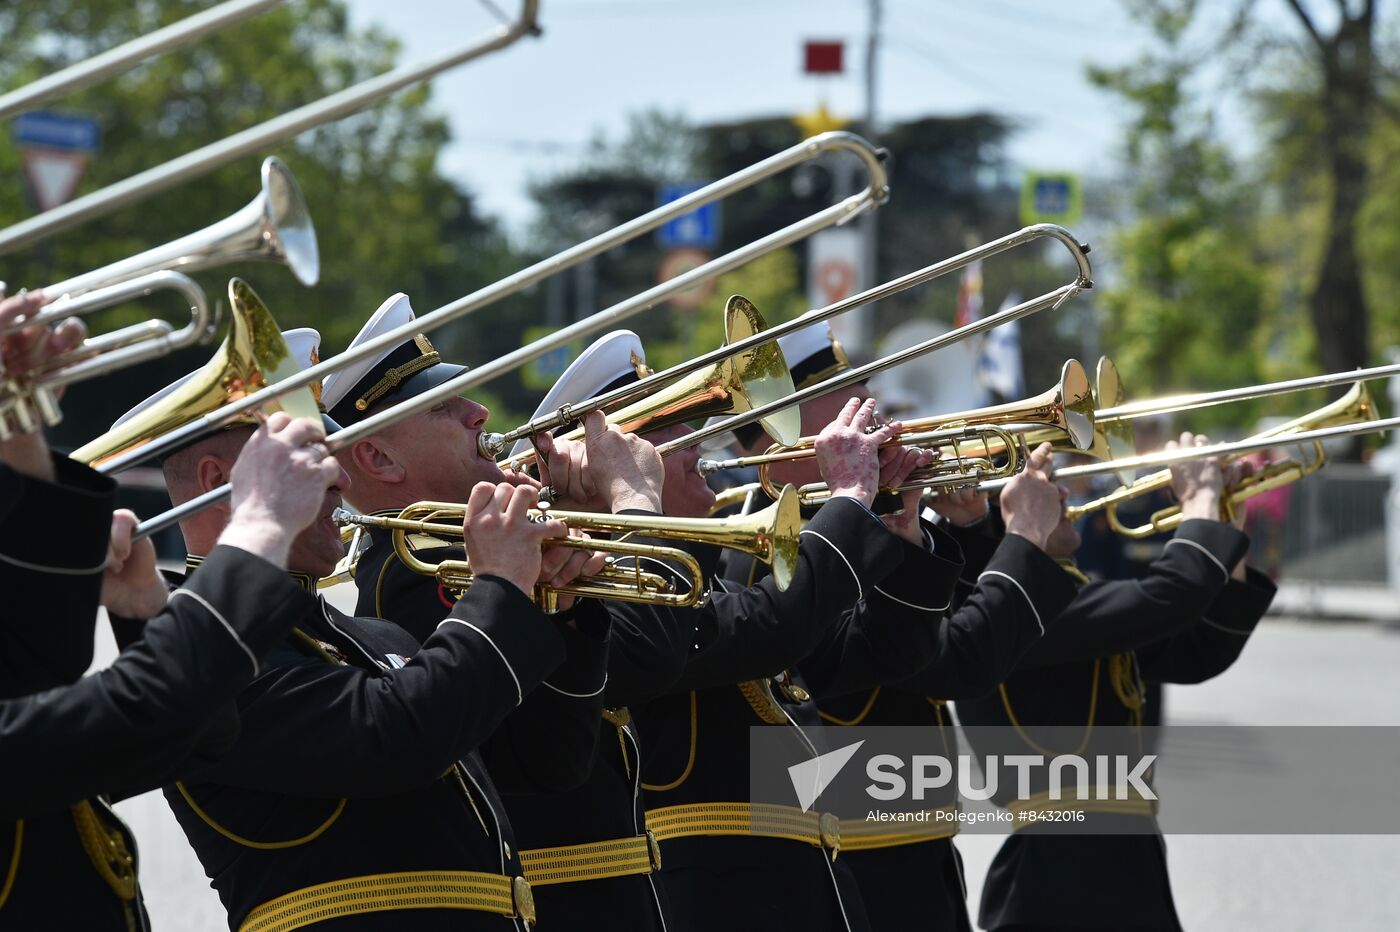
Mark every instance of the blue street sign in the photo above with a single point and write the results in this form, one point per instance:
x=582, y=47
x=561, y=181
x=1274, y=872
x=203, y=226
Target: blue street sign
x=55, y=131
x=699, y=228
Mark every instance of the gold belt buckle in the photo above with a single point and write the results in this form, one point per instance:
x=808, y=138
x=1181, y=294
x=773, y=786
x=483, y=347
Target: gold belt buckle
x=523, y=898
x=830, y=830
x=653, y=850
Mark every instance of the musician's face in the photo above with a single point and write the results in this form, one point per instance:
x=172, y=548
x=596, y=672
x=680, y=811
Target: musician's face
x=438, y=449
x=816, y=414
x=685, y=493
x=317, y=549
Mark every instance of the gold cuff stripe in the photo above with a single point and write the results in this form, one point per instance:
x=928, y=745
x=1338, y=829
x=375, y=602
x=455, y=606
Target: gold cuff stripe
x=761, y=820
x=471, y=890
x=864, y=835
x=395, y=377
x=620, y=857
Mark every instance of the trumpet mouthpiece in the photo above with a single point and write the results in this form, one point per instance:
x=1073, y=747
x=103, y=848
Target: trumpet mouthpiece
x=491, y=444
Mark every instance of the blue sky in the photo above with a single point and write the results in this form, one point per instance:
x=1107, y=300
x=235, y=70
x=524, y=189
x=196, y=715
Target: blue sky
x=528, y=111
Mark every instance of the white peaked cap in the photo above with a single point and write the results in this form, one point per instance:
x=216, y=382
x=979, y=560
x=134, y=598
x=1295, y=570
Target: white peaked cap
x=393, y=313
x=607, y=359
x=302, y=342
x=801, y=345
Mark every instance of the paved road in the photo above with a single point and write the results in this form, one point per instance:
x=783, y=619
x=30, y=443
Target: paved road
x=1292, y=673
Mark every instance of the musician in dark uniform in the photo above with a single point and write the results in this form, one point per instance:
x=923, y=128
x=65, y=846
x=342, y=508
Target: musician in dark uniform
x=1183, y=622
x=71, y=749
x=1003, y=617
x=594, y=828
x=354, y=796
x=587, y=849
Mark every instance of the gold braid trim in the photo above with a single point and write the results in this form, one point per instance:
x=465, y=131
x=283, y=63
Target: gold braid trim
x=1088, y=729
x=259, y=845
x=859, y=716
x=690, y=761
x=106, y=849
x=395, y=377
x=759, y=695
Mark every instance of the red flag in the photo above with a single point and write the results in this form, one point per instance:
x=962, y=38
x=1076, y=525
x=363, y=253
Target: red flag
x=822, y=57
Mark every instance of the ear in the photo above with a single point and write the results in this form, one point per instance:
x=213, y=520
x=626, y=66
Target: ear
x=375, y=460
x=211, y=472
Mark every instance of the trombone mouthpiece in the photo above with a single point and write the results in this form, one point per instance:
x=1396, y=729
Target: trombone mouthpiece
x=344, y=516
x=708, y=467
x=490, y=445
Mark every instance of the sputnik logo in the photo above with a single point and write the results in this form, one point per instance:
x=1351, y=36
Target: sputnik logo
x=811, y=777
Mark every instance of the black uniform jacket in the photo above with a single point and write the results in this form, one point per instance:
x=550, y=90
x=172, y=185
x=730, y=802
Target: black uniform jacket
x=989, y=628
x=53, y=544
x=743, y=672
x=357, y=756
x=586, y=795
x=1185, y=621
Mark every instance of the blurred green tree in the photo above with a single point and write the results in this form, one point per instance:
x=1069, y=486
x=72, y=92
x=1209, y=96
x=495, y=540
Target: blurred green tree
x=386, y=219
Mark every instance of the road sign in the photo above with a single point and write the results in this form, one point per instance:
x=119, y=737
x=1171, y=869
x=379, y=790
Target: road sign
x=542, y=373
x=55, y=149
x=822, y=57
x=833, y=266
x=1051, y=197
x=678, y=262
x=52, y=175
x=699, y=228
x=57, y=131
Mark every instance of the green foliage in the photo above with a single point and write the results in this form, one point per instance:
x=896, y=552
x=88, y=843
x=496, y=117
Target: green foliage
x=1192, y=298
x=386, y=220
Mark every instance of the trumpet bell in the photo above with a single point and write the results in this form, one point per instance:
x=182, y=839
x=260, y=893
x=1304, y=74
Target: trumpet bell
x=252, y=356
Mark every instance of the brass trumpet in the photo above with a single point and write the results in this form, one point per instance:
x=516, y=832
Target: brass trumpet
x=1065, y=410
x=771, y=535
x=1354, y=409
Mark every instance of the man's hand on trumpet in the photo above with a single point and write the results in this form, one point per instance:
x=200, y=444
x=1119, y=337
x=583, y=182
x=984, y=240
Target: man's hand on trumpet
x=848, y=452
x=610, y=471
x=896, y=465
x=1032, y=505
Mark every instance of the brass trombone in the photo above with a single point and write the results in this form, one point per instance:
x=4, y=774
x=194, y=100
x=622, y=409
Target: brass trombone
x=1354, y=409
x=258, y=138
x=603, y=319
x=771, y=535
x=275, y=226
x=494, y=444
x=872, y=196
x=252, y=356
x=992, y=432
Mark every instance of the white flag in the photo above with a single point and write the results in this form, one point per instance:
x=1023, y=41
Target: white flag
x=999, y=362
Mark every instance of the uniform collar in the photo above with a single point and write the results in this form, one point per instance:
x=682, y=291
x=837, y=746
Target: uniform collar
x=305, y=580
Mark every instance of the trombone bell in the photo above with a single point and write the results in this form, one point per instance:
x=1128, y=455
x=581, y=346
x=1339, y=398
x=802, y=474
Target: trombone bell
x=252, y=356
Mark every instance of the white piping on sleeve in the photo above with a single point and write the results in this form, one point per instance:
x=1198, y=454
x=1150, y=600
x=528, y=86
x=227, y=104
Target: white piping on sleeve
x=1212, y=557
x=1023, y=593
x=1228, y=630
x=252, y=658
x=917, y=608
x=565, y=692
x=860, y=590
x=519, y=693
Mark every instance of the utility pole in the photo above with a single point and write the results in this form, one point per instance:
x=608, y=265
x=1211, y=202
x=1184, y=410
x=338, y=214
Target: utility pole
x=863, y=329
